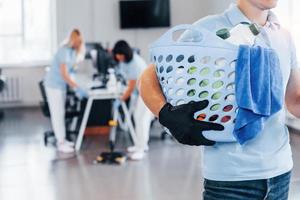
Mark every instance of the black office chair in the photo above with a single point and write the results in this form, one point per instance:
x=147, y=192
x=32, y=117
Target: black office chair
x=2, y=86
x=73, y=110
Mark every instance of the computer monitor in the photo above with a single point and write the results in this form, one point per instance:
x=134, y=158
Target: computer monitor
x=102, y=59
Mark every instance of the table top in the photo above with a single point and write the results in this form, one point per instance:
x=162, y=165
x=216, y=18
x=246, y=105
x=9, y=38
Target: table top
x=104, y=94
x=84, y=78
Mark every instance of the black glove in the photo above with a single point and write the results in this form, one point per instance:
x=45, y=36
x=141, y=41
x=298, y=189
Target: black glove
x=182, y=125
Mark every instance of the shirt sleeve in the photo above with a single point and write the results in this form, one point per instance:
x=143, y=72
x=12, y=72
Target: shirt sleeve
x=62, y=56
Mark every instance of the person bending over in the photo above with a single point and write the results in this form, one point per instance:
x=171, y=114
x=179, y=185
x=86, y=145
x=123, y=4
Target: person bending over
x=56, y=81
x=131, y=65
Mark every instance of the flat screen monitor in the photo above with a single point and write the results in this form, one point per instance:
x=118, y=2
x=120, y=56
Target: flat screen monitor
x=144, y=13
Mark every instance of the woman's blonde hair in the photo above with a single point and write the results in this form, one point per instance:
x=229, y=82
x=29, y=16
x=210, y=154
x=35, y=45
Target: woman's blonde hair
x=82, y=50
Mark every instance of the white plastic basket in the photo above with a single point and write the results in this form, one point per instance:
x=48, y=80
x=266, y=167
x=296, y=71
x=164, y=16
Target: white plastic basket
x=199, y=70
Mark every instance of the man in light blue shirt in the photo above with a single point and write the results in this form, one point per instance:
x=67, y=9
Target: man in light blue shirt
x=260, y=169
x=259, y=157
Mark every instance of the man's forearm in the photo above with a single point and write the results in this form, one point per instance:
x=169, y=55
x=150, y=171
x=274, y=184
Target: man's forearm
x=292, y=96
x=150, y=90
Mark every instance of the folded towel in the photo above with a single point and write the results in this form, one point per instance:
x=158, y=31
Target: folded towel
x=259, y=90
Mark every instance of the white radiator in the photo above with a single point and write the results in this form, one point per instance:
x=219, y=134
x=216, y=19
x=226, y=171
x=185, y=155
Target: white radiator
x=12, y=92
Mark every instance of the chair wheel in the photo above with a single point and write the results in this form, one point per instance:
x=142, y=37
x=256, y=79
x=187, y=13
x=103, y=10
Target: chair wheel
x=47, y=135
x=163, y=135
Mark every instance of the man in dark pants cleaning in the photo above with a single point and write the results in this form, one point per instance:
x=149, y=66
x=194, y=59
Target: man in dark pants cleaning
x=259, y=169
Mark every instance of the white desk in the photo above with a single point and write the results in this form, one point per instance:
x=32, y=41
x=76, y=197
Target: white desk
x=103, y=94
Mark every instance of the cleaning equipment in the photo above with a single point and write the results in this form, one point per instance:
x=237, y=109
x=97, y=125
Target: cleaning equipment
x=260, y=90
x=112, y=157
x=112, y=84
x=242, y=34
x=196, y=70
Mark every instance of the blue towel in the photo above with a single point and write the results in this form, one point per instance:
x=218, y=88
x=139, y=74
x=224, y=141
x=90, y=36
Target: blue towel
x=259, y=90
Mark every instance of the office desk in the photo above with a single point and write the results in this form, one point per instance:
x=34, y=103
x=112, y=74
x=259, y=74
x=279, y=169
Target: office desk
x=103, y=94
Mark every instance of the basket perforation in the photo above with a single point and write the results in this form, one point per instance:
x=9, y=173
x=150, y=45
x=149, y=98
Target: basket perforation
x=199, y=71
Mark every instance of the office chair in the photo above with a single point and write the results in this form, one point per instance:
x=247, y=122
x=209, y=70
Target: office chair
x=74, y=113
x=2, y=86
x=2, y=83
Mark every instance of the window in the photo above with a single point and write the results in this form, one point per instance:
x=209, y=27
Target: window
x=288, y=16
x=27, y=32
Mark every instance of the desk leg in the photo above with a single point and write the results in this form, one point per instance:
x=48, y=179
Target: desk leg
x=129, y=122
x=83, y=124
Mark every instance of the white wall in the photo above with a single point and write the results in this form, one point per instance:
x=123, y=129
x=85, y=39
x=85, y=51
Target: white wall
x=99, y=19
x=29, y=88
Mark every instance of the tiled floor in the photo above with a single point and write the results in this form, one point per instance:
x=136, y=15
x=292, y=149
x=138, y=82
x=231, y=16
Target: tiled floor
x=29, y=171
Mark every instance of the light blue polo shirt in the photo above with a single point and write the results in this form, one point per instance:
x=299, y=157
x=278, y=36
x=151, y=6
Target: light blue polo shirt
x=269, y=154
x=133, y=69
x=54, y=79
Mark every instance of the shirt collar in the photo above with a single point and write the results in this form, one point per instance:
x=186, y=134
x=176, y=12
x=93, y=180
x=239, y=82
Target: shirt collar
x=273, y=21
x=236, y=16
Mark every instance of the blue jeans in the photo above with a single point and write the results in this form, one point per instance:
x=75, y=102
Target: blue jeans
x=276, y=188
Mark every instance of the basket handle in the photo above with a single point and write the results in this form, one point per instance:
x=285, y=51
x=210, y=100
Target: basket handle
x=167, y=38
x=201, y=37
